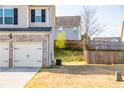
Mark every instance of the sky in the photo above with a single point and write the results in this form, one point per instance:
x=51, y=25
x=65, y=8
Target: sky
x=111, y=16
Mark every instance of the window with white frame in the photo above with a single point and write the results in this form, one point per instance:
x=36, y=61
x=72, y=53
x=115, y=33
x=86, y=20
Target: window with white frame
x=38, y=15
x=75, y=28
x=60, y=28
x=6, y=16
x=1, y=16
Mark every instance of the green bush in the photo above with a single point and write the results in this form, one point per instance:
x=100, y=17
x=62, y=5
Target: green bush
x=69, y=55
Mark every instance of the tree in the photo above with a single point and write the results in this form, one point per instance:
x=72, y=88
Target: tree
x=60, y=40
x=90, y=25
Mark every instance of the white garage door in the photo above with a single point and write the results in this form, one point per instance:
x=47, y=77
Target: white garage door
x=27, y=54
x=4, y=54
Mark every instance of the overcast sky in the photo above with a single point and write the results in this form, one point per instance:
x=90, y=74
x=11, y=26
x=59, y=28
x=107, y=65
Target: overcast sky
x=111, y=16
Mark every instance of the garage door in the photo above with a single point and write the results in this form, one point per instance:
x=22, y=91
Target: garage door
x=4, y=54
x=27, y=54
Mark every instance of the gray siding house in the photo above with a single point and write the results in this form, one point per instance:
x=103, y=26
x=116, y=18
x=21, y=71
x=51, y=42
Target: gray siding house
x=26, y=35
x=70, y=25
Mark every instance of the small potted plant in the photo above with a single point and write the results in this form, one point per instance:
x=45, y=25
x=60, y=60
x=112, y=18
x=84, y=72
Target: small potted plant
x=60, y=43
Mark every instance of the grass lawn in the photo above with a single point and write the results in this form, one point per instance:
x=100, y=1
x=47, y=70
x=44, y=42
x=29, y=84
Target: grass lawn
x=69, y=55
x=76, y=75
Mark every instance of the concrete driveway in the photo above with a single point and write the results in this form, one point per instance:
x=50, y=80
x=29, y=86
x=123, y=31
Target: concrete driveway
x=16, y=77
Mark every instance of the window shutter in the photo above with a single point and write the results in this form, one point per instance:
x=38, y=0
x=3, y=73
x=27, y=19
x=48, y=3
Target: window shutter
x=43, y=12
x=15, y=15
x=32, y=15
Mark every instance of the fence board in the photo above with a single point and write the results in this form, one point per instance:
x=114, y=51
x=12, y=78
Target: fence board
x=104, y=57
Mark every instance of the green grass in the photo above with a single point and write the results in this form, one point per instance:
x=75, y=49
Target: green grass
x=69, y=55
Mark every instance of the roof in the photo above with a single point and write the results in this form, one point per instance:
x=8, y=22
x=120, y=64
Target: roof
x=27, y=29
x=107, y=39
x=68, y=21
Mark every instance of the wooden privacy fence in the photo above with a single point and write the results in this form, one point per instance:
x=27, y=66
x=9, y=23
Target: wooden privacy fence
x=104, y=53
x=104, y=57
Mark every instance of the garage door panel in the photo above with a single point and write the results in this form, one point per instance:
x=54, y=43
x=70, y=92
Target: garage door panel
x=4, y=54
x=28, y=55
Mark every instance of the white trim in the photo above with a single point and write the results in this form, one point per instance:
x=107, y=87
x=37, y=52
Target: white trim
x=27, y=16
x=13, y=55
x=2, y=16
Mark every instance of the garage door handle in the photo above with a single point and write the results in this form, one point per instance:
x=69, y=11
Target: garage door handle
x=27, y=55
x=38, y=61
x=16, y=48
x=5, y=61
x=16, y=60
x=5, y=48
x=39, y=48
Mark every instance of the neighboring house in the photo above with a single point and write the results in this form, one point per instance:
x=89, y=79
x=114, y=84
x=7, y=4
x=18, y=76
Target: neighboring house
x=26, y=35
x=107, y=39
x=70, y=25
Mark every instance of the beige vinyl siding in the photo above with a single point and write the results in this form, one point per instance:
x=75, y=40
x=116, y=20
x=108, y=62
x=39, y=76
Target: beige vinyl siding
x=48, y=22
x=22, y=17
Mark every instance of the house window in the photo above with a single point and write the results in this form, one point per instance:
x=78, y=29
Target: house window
x=74, y=28
x=114, y=40
x=1, y=16
x=9, y=16
x=38, y=15
x=60, y=28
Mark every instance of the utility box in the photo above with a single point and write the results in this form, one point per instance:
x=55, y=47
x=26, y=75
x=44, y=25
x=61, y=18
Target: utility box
x=118, y=76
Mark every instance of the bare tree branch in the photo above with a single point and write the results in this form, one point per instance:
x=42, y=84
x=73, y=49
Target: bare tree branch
x=89, y=23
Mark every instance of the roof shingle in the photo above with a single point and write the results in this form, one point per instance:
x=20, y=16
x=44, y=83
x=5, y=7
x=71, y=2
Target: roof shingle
x=68, y=21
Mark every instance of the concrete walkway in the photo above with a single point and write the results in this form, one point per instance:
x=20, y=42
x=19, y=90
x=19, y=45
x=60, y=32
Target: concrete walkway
x=16, y=77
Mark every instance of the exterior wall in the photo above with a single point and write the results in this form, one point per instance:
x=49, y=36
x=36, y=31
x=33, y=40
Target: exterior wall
x=51, y=46
x=22, y=17
x=51, y=35
x=27, y=37
x=70, y=33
